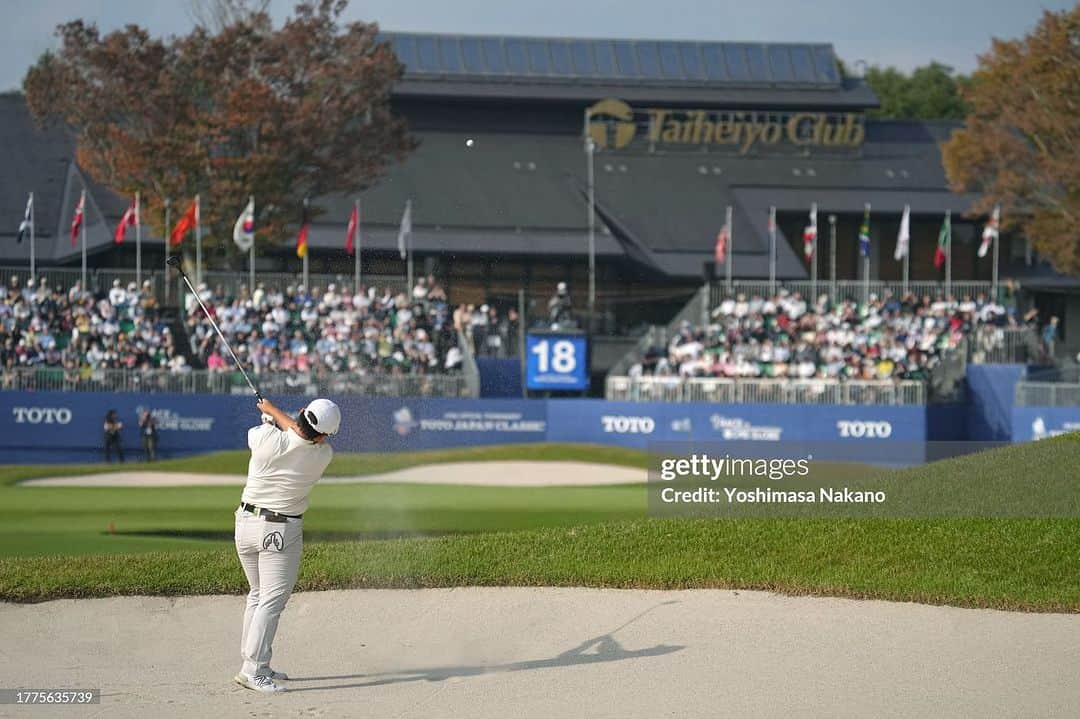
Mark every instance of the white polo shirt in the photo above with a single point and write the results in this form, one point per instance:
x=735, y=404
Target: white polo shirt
x=283, y=469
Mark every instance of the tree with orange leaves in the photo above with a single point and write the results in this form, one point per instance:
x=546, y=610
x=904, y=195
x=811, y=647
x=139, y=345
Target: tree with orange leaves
x=247, y=109
x=1020, y=144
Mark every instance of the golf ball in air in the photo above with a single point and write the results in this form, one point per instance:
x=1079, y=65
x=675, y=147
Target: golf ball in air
x=469, y=142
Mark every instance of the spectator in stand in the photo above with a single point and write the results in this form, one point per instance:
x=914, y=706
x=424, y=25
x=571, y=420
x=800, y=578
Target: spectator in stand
x=1049, y=338
x=215, y=362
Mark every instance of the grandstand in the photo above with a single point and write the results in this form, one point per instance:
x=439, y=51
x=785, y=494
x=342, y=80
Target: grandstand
x=741, y=344
x=298, y=341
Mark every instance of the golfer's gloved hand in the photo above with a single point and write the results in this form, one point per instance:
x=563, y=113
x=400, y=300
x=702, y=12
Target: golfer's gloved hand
x=267, y=419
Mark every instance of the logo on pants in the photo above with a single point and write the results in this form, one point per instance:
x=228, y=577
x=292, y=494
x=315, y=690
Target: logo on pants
x=275, y=540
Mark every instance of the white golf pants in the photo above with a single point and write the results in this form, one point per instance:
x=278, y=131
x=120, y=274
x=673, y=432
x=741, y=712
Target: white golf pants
x=270, y=553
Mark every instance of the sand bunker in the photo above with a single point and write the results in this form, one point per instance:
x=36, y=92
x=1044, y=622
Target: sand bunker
x=481, y=474
x=524, y=652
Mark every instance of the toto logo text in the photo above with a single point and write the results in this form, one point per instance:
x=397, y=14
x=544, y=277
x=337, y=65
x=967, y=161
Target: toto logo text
x=41, y=415
x=620, y=424
x=859, y=429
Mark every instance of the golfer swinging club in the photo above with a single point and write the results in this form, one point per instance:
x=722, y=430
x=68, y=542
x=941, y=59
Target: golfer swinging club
x=288, y=456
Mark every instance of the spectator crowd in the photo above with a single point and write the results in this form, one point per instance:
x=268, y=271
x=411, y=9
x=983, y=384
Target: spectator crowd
x=784, y=336
x=80, y=331
x=321, y=332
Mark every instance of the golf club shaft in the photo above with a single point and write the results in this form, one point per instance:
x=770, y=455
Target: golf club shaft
x=224, y=341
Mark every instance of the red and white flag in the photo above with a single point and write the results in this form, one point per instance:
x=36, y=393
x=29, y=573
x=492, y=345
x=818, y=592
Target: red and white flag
x=722, y=245
x=991, y=231
x=809, y=235
x=77, y=220
x=244, y=227
x=350, y=231
x=130, y=218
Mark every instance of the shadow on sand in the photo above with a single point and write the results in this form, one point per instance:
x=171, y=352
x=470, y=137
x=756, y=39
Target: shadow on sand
x=605, y=648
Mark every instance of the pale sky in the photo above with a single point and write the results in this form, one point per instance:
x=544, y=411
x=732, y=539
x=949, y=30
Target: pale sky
x=879, y=32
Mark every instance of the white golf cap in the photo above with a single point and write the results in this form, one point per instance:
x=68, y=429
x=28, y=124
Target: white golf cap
x=323, y=415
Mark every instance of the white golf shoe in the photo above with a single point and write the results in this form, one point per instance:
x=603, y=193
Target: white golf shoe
x=260, y=683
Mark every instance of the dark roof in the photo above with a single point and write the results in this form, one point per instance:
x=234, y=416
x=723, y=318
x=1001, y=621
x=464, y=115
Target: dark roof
x=627, y=62
x=569, y=69
x=524, y=193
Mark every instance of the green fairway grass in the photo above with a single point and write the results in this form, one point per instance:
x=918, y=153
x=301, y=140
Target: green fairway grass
x=594, y=536
x=93, y=520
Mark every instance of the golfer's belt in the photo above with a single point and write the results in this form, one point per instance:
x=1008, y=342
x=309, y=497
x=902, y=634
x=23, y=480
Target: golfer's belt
x=267, y=514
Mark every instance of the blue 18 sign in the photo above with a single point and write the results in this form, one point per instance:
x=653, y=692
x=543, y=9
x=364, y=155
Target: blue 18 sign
x=556, y=361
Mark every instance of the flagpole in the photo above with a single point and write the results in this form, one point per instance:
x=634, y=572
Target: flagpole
x=814, y=259
x=948, y=256
x=590, y=151
x=356, y=249
x=251, y=253
x=730, y=250
x=772, y=250
x=832, y=259
x=866, y=278
x=138, y=243
x=993, y=271
x=82, y=228
x=34, y=263
x=168, y=203
x=907, y=268
x=198, y=242
x=409, y=254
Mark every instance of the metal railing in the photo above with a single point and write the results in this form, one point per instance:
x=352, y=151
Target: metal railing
x=1057, y=387
x=58, y=379
x=1003, y=345
x=853, y=290
x=101, y=279
x=232, y=282
x=762, y=391
x=1047, y=394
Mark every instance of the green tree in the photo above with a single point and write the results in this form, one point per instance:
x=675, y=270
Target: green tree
x=1020, y=144
x=931, y=92
x=282, y=113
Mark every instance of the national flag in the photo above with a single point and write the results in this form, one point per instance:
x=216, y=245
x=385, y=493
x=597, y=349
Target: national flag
x=864, y=233
x=944, y=239
x=405, y=230
x=903, y=237
x=809, y=235
x=350, y=231
x=130, y=218
x=722, y=239
x=243, y=233
x=302, y=236
x=24, y=226
x=77, y=220
x=990, y=232
x=186, y=224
